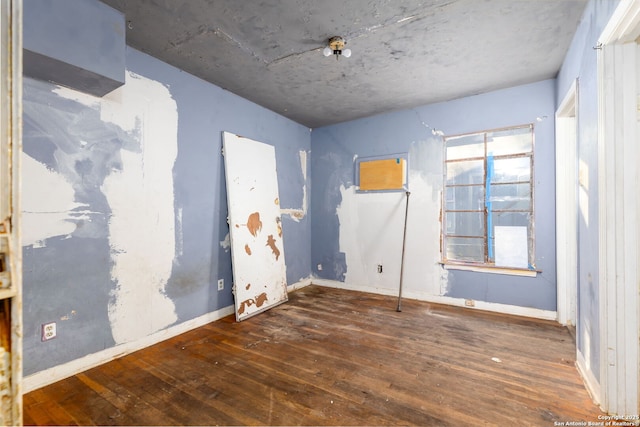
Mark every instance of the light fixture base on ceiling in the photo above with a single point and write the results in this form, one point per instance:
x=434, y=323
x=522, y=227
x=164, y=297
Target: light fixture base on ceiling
x=336, y=46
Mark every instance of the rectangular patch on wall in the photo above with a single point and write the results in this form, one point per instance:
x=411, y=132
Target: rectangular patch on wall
x=512, y=248
x=385, y=173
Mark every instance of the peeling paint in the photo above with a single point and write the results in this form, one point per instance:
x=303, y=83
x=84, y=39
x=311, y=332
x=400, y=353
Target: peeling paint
x=297, y=215
x=258, y=302
x=272, y=244
x=69, y=316
x=254, y=224
x=247, y=249
x=244, y=304
x=261, y=299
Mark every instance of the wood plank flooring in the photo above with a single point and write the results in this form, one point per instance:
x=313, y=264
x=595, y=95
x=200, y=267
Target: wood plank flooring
x=335, y=357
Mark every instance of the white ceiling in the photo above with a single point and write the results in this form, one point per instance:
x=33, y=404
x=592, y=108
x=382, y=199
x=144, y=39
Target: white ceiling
x=405, y=52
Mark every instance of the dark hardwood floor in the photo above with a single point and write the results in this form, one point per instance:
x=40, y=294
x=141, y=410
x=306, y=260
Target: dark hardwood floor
x=335, y=357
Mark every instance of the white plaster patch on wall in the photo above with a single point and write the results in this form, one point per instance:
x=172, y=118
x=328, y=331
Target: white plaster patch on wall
x=179, y=235
x=48, y=204
x=226, y=243
x=422, y=258
x=140, y=195
x=74, y=95
x=371, y=228
x=298, y=214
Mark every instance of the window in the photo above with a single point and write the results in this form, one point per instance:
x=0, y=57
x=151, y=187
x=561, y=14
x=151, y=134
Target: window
x=488, y=198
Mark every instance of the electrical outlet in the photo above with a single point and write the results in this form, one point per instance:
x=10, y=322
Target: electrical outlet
x=220, y=284
x=379, y=268
x=469, y=303
x=48, y=331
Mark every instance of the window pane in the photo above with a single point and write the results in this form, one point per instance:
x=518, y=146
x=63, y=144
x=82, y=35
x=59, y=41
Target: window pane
x=511, y=218
x=464, y=198
x=465, y=147
x=464, y=249
x=511, y=170
x=465, y=223
x=465, y=172
x=512, y=141
x=510, y=196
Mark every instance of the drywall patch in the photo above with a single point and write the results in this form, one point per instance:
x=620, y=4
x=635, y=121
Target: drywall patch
x=140, y=195
x=49, y=208
x=422, y=255
x=371, y=229
x=226, y=243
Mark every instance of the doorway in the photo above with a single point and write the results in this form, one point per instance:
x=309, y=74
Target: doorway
x=567, y=207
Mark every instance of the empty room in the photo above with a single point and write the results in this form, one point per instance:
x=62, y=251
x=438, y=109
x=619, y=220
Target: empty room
x=298, y=212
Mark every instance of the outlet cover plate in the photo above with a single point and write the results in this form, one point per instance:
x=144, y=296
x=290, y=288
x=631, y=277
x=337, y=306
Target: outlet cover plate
x=49, y=331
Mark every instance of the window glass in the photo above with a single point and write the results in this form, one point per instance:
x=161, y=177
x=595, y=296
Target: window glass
x=516, y=169
x=468, y=198
x=465, y=147
x=465, y=223
x=512, y=141
x=465, y=172
x=465, y=249
x=517, y=219
x=510, y=197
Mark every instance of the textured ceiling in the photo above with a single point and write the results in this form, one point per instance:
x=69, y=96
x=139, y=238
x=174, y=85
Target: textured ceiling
x=405, y=52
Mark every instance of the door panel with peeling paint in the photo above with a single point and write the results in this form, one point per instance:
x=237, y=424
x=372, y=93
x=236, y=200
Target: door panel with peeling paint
x=257, y=251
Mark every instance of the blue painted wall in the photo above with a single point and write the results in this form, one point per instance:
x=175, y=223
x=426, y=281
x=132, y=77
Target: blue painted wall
x=68, y=278
x=75, y=43
x=332, y=166
x=581, y=63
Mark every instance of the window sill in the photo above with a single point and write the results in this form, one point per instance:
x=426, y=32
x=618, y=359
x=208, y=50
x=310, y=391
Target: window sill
x=490, y=269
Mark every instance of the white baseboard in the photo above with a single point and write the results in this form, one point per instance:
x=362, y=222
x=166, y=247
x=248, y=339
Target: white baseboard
x=301, y=284
x=57, y=373
x=590, y=381
x=458, y=302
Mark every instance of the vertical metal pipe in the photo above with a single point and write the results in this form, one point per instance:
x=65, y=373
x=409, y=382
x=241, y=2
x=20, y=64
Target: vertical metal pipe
x=404, y=241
